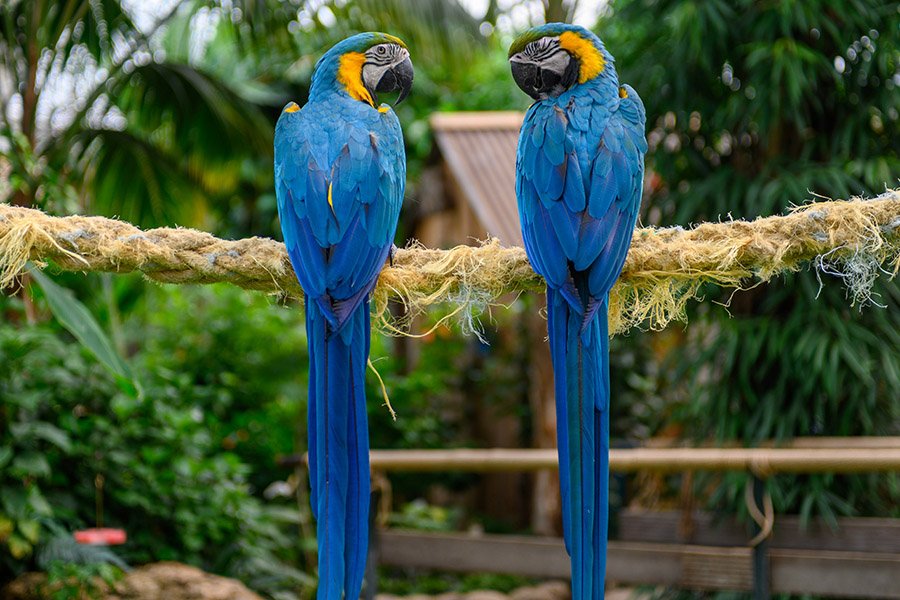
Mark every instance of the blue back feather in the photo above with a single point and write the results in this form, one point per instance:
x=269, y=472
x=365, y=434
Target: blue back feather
x=347, y=150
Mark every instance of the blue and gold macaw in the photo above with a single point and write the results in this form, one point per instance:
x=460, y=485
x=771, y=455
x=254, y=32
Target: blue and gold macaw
x=340, y=172
x=579, y=174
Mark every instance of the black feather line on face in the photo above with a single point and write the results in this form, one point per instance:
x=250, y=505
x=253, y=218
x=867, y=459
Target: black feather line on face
x=382, y=54
x=542, y=49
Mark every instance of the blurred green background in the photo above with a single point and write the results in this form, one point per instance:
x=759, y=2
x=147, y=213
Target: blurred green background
x=162, y=113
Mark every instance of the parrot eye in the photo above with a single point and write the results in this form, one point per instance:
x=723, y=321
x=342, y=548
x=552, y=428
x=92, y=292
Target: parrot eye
x=380, y=49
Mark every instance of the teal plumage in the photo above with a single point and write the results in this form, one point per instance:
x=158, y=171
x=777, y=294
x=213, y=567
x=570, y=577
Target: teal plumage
x=579, y=173
x=340, y=172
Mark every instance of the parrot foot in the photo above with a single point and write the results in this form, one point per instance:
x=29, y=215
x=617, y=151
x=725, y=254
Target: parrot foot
x=391, y=254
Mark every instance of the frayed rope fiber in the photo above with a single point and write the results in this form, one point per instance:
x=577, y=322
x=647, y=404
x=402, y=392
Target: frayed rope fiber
x=854, y=239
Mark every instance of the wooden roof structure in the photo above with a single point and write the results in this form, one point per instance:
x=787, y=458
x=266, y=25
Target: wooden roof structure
x=479, y=149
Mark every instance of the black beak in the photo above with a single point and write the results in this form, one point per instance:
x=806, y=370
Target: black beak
x=539, y=82
x=399, y=77
x=527, y=77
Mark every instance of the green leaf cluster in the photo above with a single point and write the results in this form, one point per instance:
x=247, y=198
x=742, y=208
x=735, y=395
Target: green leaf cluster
x=176, y=459
x=102, y=111
x=753, y=107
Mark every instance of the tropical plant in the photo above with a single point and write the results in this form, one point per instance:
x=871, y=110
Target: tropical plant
x=171, y=460
x=96, y=117
x=753, y=107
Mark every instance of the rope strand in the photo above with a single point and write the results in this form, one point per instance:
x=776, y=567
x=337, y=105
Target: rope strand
x=853, y=239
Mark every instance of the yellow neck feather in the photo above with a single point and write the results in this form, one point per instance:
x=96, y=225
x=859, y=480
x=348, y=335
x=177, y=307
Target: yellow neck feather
x=591, y=61
x=350, y=76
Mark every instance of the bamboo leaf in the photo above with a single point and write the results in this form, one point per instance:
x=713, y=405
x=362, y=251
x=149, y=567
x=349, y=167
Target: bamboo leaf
x=77, y=319
x=41, y=430
x=31, y=464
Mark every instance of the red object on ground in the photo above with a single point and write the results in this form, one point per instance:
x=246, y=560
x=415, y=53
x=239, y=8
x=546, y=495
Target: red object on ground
x=101, y=536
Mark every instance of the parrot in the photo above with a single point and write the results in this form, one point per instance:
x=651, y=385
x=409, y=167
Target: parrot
x=340, y=175
x=579, y=181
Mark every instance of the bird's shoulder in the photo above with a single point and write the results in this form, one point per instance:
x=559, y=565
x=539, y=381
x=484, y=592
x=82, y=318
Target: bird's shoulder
x=323, y=131
x=631, y=117
x=572, y=123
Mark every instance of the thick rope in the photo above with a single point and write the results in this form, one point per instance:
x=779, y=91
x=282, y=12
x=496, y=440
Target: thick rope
x=855, y=240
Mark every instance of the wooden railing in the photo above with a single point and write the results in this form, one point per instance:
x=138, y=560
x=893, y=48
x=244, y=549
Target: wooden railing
x=861, y=559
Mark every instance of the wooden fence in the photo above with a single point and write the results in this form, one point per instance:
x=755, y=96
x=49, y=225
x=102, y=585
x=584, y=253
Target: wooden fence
x=860, y=559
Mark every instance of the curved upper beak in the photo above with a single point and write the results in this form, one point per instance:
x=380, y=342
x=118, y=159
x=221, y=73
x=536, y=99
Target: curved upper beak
x=399, y=77
x=527, y=75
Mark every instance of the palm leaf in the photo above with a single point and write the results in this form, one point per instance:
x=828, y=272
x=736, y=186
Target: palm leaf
x=186, y=137
x=131, y=177
x=438, y=32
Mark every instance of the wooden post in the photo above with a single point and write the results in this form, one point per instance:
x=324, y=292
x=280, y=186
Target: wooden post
x=545, y=511
x=761, y=571
x=373, y=558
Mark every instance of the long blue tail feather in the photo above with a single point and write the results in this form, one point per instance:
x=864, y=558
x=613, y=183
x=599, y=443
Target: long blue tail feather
x=339, y=449
x=357, y=535
x=314, y=331
x=580, y=354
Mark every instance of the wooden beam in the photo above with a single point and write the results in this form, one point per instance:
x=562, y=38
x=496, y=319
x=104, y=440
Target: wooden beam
x=825, y=573
x=544, y=458
x=846, y=574
x=763, y=461
x=476, y=121
x=519, y=555
x=707, y=529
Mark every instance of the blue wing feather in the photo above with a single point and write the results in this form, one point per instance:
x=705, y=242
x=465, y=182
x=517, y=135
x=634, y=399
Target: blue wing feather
x=350, y=237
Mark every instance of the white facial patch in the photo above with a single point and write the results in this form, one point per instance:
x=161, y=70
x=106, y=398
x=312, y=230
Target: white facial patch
x=379, y=59
x=557, y=62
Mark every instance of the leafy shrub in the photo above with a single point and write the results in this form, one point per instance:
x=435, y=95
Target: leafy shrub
x=166, y=478
x=752, y=107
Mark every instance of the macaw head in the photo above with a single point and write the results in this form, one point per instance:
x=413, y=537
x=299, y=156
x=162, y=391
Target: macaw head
x=365, y=64
x=549, y=59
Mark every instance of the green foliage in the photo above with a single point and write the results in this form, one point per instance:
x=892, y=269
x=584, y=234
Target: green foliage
x=420, y=515
x=185, y=464
x=70, y=581
x=751, y=107
x=244, y=360
x=427, y=398
x=408, y=582
x=438, y=393
x=76, y=318
x=168, y=481
x=103, y=113
x=746, y=107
